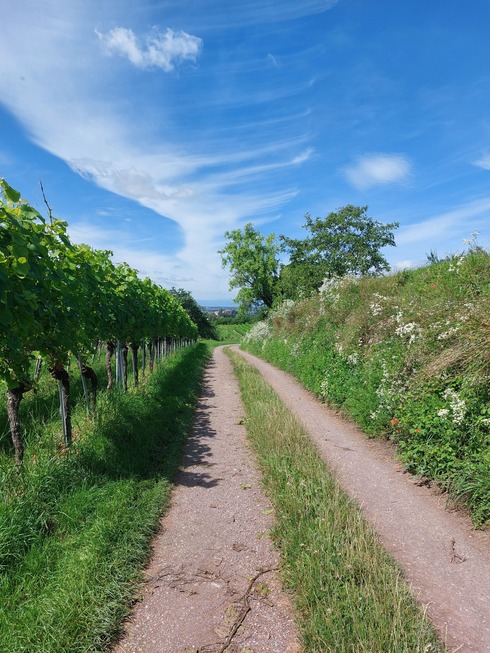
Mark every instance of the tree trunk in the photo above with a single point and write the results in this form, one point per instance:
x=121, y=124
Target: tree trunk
x=89, y=374
x=110, y=347
x=37, y=372
x=14, y=397
x=151, y=348
x=134, y=356
x=124, y=350
x=60, y=374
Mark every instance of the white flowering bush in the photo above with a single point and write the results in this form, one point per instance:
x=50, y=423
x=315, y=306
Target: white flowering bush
x=457, y=406
x=407, y=356
x=259, y=332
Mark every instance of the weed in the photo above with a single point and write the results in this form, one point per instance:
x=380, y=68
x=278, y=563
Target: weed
x=406, y=356
x=75, y=528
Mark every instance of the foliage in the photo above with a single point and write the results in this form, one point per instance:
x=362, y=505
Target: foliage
x=232, y=333
x=346, y=242
x=406, y=356
x=254, y=265
x=75, y=526
x=205, y=326
x=59, y=299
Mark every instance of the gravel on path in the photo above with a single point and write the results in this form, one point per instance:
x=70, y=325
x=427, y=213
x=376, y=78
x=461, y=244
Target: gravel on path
x=212, y=584
x=446, y=561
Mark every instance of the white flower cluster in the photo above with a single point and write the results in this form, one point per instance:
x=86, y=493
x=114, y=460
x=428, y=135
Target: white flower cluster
x=387, y=392
x=283, y=309
x=408, y=330
x=456, y=405
x=339, y=348
x=454, y=267
x=449, y=333
x=353, y=359
x=329, y=290
x=260, y=331
x=376, y=307
x=324, y=389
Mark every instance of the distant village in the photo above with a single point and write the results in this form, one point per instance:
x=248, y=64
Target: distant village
x=220, y=311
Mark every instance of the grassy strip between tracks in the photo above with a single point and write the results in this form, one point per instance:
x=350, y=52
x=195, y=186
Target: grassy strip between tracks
x=349, y=595
x=75, y=526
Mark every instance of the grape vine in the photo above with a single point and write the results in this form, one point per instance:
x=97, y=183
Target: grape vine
x=59, y=299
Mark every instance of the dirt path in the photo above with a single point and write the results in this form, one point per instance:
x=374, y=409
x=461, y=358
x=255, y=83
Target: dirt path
x=211, y=582
x=445, y=560
x=208, y=584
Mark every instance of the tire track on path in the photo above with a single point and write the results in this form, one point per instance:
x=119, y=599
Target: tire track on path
x=445, y=560
x=211, y=585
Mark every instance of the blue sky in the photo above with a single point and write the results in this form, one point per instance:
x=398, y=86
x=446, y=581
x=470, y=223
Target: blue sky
x=157, y=125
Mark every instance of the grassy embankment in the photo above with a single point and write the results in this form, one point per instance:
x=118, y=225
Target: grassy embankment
x=75, y=525
x=406, y=356
x=232, y=333
x=349, y=595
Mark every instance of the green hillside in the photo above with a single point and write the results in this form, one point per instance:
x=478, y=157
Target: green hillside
x=407, y=357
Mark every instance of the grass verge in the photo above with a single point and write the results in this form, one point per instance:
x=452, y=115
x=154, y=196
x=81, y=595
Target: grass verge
x=75, y=528
x=350, y=596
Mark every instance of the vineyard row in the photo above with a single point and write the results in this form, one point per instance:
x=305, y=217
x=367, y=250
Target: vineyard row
x=59, y=299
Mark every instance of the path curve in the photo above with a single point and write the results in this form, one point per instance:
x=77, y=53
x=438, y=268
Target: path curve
x=212, y=578
x=444, y=559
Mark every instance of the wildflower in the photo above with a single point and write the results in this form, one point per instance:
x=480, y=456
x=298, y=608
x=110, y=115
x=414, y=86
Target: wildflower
x=410, y=330
x=353, y=359
x=456, y=404
x=447, y=334
x=261, y=331
x=324, y=388
x=394, y=421
x=444, y=412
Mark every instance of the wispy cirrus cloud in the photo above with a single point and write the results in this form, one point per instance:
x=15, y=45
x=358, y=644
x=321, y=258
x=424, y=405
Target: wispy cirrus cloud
x=484, y=162
x=457, y=223
x=378, y=169
x=155, y=50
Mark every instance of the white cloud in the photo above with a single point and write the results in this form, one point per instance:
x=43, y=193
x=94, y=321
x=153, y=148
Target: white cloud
x=452, y=226
x=136, y=144
x=378, y=169
x=304, y=156
x=191, y=268
x=403, y=265
x=484, y=162
x=160, y=49
x=273, y=60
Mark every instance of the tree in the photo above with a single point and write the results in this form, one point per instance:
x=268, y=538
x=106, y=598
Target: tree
x=254, y=266
x=347, y=241
x=204, y=325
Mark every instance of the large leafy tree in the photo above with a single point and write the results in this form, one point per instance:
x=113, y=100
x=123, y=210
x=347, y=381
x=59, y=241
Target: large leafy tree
x=254, y=265
x=347, y=241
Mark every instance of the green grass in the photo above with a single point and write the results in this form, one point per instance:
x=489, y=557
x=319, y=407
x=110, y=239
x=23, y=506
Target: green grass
x=407, y=357
x=231, y=333
x=75, y=527
x=349, y=595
